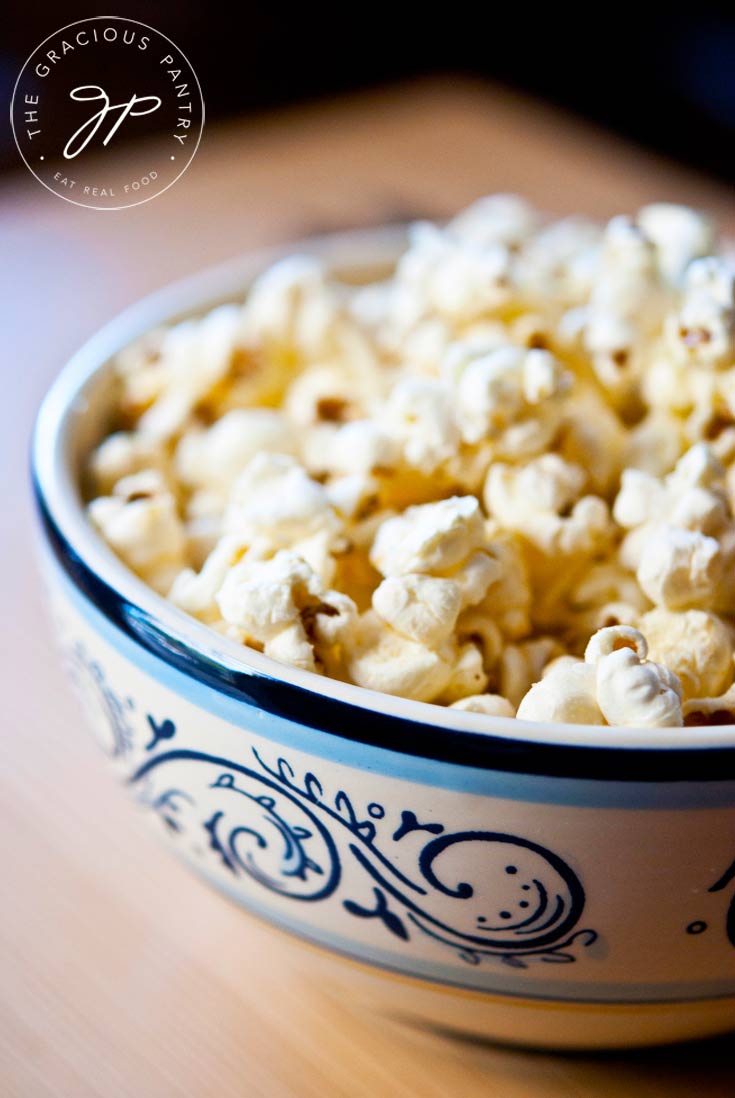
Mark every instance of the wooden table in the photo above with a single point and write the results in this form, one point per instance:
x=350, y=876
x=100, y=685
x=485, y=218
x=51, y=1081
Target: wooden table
x=120, y=974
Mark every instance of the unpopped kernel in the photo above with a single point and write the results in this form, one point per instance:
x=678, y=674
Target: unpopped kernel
x=501, y=480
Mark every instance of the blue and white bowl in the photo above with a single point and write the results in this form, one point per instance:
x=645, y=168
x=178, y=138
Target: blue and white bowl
x=542, y=884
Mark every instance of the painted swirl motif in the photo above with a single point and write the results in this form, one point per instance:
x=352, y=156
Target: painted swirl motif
x=477, y=893
x=252, y=826
x=542, y=898
x=109, y=713
x=726, y=879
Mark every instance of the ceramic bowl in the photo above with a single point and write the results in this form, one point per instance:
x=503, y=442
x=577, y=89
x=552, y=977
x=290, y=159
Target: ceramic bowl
x=540, y=884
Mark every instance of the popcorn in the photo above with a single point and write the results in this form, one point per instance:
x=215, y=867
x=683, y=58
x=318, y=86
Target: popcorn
x=521, y=665
x=194, y=357
x=328, y=625
x=695, y=645
x=679, y=235
x=703, y=331
x=606, y=594
x=489, y=393
x=508, y=599
x=591, y=435
x=354, y=496
x=504, y=387
x=632, y=690
x=468, y=676
x=655, y=444
x=559, y=263
x=141, y=523
x=480, y=627
x=196, y=592
x=291, y=646
x=418, y=413
x=709, y=711
x=294, y=306
x=616, y=685
x=422, y=608
x=543, y=501
x=429, y=538
x=624, y=304
x=613, y=639
x=122, y=455
x=214, y=458
x=502, y=477
x=456, y=279
x=359, y=448
x=680, y=568
x=331, y=394
x=424, y=345
x=474, y=576
x=567, y=693
x=274, y=501
x=262, y=597
x=691, y=498
x=496, y=219
x=272, y=601
x=491, y=705
x=381, y=659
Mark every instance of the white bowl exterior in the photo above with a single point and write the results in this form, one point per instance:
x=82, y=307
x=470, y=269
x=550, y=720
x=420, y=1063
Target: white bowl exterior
x=332, y=840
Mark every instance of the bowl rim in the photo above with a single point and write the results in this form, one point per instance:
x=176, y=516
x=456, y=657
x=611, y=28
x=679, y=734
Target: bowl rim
x=169, y=632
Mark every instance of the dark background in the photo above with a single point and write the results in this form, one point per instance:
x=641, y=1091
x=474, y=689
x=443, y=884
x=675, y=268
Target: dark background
x=664, y=78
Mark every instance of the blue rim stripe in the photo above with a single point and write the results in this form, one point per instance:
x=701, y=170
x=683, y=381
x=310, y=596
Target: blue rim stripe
x=499, y=784
x=389, y=732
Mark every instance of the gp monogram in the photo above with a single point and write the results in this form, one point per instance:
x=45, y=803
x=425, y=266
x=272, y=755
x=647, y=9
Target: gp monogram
x=107, y=113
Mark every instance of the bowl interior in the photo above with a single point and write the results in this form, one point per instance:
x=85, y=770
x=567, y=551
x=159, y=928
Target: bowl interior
x=76, y=415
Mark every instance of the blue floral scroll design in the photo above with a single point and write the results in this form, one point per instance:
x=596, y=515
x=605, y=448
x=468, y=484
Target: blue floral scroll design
x=550, y=926
x=545, y=930
x=90, y=678
x=257, y=829
x=361, y=825
x=381, y=911
x=480, y=893
x=295, y=861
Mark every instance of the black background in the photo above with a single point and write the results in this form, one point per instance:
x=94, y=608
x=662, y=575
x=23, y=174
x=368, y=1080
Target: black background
x=663, y=77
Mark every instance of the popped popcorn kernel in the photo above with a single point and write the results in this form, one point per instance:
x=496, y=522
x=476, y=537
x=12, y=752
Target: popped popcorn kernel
x=140, y=521
x=679, y=235
x=123, y=454
x=379, y=658
x=631, y=689
x=703, y=331
x=568, y=693
x=429, y=538
x=468, y=675
x=422, y=608
x=213, y=458
x=696, y=645
x=500, y=478
x=491, y=705
x=680, y=568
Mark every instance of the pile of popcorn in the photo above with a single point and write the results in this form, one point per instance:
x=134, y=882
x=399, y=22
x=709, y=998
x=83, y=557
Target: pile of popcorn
x=501, y=480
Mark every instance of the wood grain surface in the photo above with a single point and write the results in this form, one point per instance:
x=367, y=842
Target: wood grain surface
x=120, y=973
